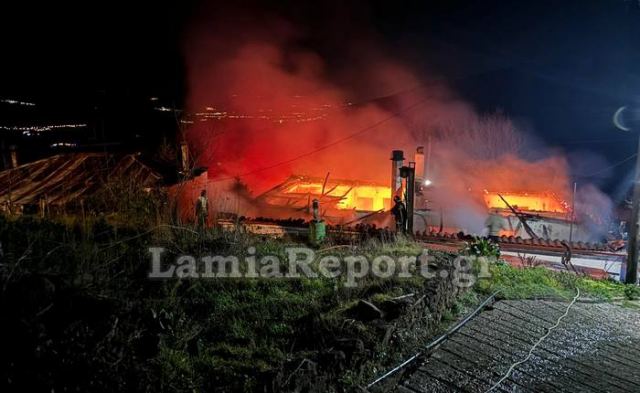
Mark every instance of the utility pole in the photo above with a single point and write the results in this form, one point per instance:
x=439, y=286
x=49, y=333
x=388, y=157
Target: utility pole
x=634, y=227
x=428, y=172
x=409, y=173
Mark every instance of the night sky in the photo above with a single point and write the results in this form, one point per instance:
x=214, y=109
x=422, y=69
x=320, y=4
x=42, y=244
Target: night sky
x=559, y=68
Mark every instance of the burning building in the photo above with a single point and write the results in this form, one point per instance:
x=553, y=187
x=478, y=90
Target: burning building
x=340, y=199
x=340, y=194
x=527, y=213
x=535, y=214
x=267, y=107
x=528, y=202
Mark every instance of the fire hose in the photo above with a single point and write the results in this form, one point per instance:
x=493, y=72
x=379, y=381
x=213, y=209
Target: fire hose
x=537, y=343
x=433, y=344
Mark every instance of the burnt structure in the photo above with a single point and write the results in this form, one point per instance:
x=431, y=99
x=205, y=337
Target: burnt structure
x=64, y=181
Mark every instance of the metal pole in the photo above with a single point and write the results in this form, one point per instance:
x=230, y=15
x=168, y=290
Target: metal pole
x=632, y=245
x=427, y=175
x=411, y=195
x=573, y=211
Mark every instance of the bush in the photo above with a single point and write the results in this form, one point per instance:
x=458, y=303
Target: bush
x=632, y=292
x=481, y=247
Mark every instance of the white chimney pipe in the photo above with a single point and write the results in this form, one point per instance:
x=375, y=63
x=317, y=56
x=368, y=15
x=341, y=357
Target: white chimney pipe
x=419, y=160
x=397, y=160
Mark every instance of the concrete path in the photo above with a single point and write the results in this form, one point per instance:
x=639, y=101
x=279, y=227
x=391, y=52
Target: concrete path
x=596, y=348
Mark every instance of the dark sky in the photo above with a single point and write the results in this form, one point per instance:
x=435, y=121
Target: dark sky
x=559, y=67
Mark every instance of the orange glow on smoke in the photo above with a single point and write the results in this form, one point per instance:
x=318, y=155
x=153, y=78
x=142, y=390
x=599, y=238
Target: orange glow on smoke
x=534, y=202
x=359, y=197
x=265, y=108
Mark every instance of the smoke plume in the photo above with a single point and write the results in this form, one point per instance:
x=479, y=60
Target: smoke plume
x=268, y=101
x=277, y=101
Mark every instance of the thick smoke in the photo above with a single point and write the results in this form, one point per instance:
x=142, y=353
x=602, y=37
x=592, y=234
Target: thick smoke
x=282, y=107
x=594, y=210
x=289, y=107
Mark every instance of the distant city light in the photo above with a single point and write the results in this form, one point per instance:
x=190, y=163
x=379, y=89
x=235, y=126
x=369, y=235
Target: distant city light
x=16, y=102
x=163, y=109
x=427, y=182
x=63, y=144
x=314, y=114
x=31, y=130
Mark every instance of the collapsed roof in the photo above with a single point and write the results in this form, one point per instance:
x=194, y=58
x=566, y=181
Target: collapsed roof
x=528, y=201
x=66, y=178
x=298, y=192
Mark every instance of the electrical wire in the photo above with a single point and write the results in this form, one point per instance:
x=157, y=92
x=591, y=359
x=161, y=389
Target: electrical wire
x=328, y=145
x=609, y=167
x=540, y=340
x=598, y=141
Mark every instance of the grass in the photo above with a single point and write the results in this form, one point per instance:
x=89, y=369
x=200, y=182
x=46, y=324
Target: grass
x=80, y=313
x=539, y=282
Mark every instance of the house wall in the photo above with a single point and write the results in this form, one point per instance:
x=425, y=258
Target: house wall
x=223, y=196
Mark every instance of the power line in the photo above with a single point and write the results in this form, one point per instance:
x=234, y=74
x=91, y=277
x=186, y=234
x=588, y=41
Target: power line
x=634, y=155
x=371, y=127
x=601, y=140
x=418, y=87
x=328, y=145
x=421, y=86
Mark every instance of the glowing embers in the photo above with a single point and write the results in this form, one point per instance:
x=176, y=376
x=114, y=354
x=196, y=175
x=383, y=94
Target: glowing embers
x=350, y=196
x=527, y=201
x=338, y=194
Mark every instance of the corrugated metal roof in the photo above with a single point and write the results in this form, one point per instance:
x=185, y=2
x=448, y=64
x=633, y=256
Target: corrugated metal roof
x=64, y=178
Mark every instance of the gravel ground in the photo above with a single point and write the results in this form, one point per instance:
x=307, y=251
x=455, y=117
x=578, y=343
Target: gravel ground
x=594, y=349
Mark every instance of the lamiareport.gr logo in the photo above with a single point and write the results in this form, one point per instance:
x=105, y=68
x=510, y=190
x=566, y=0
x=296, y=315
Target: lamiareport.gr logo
x=305, y=262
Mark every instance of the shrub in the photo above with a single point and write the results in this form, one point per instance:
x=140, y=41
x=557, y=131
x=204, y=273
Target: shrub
x=481, y=247
x=632, y=292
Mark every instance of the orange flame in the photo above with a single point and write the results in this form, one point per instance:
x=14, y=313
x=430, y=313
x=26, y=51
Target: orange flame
x=359, y=197
x=533, y=202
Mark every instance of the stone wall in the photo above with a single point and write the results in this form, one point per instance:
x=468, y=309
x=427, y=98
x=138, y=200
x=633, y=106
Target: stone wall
x=373, y=336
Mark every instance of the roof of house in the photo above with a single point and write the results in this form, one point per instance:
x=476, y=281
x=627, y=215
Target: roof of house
x=327, y=189
x=64, y=178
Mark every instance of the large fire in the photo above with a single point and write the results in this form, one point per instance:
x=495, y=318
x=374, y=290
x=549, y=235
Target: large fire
x=298, y=191
x=264, y=104
x=527, y=201
x=359, y=197
x=366, y=196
